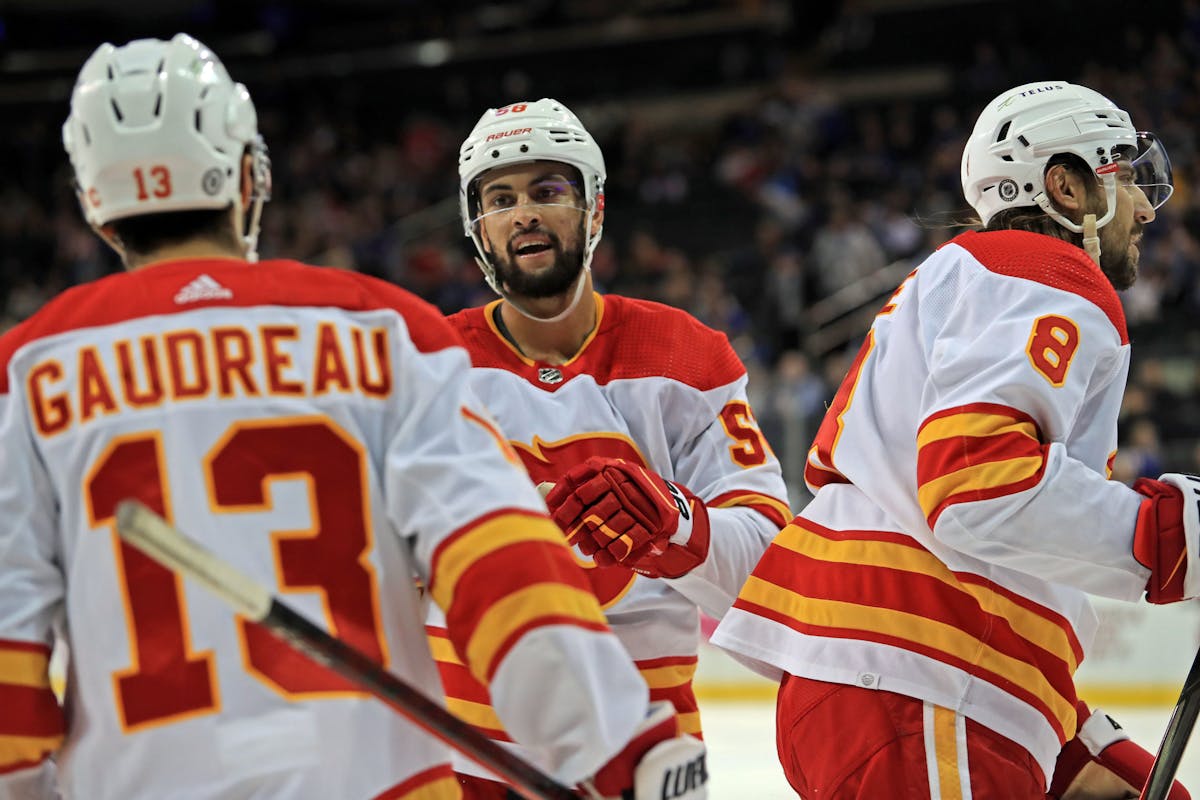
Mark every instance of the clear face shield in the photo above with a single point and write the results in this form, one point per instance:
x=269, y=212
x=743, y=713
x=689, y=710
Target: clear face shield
x=505, y=210
x=540, y=223
x=1147, y=167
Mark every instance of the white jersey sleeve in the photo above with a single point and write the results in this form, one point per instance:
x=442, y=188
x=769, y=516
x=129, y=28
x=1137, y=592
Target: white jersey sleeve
x=517, y=609
x=31, y=591
x=720, y=454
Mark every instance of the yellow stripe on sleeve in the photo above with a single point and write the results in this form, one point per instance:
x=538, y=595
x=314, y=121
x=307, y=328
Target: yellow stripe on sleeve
x=689, y=722
x=478, y=714
x=514, y=611
x=444, y=788
x=990, y=475
x=20, y=749
x=487, y=538
x=976, y=424
x=668, y=676
x=443, y=650
x=757, y=500
x=25, y=668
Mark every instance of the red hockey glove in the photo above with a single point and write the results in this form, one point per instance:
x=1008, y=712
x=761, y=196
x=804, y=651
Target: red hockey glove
x=1122, y=766
x=658, y=762
x=618, y=512
x=1167, y=521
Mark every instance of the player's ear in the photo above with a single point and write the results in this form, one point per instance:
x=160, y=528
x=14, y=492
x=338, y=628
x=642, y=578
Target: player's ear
x=109, y=234
x=1067, y=190
x=247, y=187
x=598, y=215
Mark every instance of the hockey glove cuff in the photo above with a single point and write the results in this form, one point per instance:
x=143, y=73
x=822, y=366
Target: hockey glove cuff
x=658, y=762
x=1125, y=765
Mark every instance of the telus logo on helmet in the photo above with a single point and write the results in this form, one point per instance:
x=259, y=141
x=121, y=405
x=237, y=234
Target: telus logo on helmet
x=513, y=132
x=1027, y=92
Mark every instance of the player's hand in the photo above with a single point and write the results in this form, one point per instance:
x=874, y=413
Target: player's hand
x=657, y=762
x=1102, y=763
x=1167, y=535
x=620, y=513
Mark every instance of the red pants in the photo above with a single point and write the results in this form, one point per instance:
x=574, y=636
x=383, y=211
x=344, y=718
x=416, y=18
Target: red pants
x=841, y=742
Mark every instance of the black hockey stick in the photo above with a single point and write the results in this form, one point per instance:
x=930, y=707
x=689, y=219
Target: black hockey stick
x=167, y=545
x=1179, y=730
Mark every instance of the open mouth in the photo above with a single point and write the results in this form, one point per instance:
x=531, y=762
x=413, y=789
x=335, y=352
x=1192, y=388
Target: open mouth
x=531, y=247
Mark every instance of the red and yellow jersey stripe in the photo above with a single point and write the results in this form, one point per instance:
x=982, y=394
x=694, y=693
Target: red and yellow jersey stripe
x=501, y=576
x=884, y=587
x=668, y=678
x=435, y=783
x=976, y=452
x=772, y=508
x=31, y=725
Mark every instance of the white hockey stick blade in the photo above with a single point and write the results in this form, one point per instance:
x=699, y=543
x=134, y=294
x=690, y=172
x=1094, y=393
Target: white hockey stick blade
x=167, y=545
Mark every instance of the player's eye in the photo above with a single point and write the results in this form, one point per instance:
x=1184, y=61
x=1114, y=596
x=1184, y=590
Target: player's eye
x=551, y=192
x=498, y=200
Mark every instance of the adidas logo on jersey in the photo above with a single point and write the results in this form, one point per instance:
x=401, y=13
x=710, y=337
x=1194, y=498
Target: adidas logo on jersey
x=203, y=287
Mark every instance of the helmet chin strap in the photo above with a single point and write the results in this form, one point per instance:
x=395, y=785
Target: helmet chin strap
x=1090, y=227
x=1091, y=237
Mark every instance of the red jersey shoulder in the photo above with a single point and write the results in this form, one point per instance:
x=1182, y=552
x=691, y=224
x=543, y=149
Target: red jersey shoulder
x=1048, y=261
x=482, y=340
x=641, y=338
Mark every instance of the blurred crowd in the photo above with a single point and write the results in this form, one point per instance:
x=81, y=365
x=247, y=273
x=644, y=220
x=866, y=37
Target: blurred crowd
x=750, y=218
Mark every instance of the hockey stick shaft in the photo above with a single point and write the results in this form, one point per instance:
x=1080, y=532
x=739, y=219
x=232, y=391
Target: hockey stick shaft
x=166, y=544
x=1174, y=741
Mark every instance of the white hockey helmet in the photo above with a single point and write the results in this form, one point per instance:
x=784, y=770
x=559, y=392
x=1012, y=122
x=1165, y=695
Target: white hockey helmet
x=539, y=130
x=1004, y=161
x=158, y=126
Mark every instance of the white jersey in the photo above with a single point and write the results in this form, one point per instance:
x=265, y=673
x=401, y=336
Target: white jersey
x=315, y=428
x=962, y=508
x=653, y=386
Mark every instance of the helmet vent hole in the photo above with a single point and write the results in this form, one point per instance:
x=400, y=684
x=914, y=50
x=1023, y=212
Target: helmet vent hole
x=1006, y=158
x=158, y=104
x=87, y=136
x=1024, y=142
x=110, y=73
x=495, y=154
x=204, y=92
x=524, y=148
x=117, y=110
x=162, y=63
x=1000, y=137
x=197, y=118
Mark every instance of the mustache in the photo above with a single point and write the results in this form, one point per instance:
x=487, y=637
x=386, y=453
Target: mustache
x=549, y=234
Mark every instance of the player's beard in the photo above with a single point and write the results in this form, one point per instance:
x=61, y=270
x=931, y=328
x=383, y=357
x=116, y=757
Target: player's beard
x=556, y=280
x=1118, y=260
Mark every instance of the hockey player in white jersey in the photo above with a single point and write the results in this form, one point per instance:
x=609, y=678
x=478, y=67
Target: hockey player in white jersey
x=635, y=411
x=935, y=590
x=314, y=427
